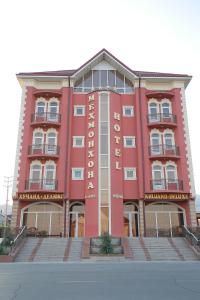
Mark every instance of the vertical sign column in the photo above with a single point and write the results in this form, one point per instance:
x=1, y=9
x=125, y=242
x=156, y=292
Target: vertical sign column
x=91, y=173
x=116, y=152
x=104, y=164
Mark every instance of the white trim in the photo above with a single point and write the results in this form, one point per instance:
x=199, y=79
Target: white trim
x=77, y=169
x=131, y=107
x=74, y=145
x=132, y=139
x=126, y=177
x=77, y=107
x=187, y=143
x=19, y=142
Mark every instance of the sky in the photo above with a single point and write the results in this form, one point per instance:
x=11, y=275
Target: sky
x=148, y=35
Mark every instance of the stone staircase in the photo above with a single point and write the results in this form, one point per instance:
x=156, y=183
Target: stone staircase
x=161, y=249
x=50, y=249
x=75, y=249
x=25, y=253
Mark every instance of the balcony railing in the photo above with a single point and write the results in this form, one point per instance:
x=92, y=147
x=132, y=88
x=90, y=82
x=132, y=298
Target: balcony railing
x=161, y=118
x=165, y=150
x=167, y=185
x=43, y=149
x=45, y=117
x=41, y=184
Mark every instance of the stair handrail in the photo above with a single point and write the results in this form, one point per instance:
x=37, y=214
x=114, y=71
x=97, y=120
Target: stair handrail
x=194, y=241
x=18, y=240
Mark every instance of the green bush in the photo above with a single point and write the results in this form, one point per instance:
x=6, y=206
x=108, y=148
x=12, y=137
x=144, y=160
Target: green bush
x=106, y=247
x=4, y=250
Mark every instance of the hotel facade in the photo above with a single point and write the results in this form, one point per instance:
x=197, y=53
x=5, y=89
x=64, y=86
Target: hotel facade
x=103, y=148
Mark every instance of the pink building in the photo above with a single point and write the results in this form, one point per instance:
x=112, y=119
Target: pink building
x=103, y=149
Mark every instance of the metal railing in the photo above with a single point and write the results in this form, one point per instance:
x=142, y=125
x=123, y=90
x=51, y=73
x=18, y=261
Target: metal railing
x=167, y=184
x=43, y=149
x=41, y=184
x=18, y=240
x=161, y=118
x=164, y=150
x=194, y=241
x=46, y=117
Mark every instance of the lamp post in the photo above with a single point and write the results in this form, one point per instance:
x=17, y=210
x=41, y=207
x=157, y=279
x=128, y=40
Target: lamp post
x=7, y=184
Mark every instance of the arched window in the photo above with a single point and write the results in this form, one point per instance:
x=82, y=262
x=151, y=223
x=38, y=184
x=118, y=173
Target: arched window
x=153, y=112
x=40, y=108
x=158, y=177
x=171, y=173
x=53, y=109
x=35, y=173
x=166, y=109
x=49, y=176
x=168, y=140
x=156, y=147
x=38, y=139
x=51, y=142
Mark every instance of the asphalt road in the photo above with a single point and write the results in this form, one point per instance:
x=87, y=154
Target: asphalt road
x=98, y=281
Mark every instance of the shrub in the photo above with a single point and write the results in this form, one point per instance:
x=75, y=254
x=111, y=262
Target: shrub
x=106, y=247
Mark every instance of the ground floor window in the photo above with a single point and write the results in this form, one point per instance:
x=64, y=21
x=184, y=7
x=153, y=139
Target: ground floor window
x=164, y=219
x=44, y=217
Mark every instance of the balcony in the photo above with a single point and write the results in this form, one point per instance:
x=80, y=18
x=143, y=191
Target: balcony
x=165, y=151
x=41, y=185
x=161, y=120
x=167, y=185
x=43, y=150
x=45, y=118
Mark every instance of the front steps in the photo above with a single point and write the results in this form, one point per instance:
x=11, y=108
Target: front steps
x=161, y=249
x=50, y=249
x=139, y=249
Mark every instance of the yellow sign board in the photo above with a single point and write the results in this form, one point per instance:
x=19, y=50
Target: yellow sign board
x=166, y=196
x=40, y=196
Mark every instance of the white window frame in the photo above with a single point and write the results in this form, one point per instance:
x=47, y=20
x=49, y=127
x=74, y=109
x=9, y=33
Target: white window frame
x=128, y=107
x=75, y=110
x=82, y=141
x=133, y=142
x=77, y=169
x=134, y=177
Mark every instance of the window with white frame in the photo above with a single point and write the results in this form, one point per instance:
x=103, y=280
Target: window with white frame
x=40, y=107
x=78, y=141
x=79, y=110
x=128, y=111
x=35, y=172
x=130, y=173
x=77, y=173
x=129, y=141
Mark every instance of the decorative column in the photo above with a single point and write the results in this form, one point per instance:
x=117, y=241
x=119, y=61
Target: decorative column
x=141, y=214
x=14, y=213
x=193, y=219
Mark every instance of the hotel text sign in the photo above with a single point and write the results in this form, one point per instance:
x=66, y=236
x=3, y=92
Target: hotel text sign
x=117, y=139
x=91, y=143
x=37, y=196
x=165, y=196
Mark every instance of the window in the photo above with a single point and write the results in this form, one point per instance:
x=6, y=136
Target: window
x=130, y=173
x=53, y=111
x=171, y=173
x=51, y=142
x=35, y=173
x=40, y=108
x=168, y=140
x=129, y=141
x=156, y=143
x=38, y=138
x=79, y=110
x=49, y=177
x=78, y=141
x=158, y=177
x=153, y=112
x=166, y=109
x=77, y=173
x=128, y=111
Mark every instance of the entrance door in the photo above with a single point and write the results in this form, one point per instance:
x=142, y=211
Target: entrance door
x=131, y=220
x=77, y=220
